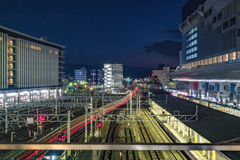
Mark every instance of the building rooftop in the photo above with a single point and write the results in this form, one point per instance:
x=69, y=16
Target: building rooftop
x=25, y=36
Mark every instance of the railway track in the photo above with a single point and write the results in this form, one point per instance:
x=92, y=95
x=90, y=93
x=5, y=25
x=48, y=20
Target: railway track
x=163, y=138
x=130, y=155
x=76, y=124
x=148, y=138
x=110, y=137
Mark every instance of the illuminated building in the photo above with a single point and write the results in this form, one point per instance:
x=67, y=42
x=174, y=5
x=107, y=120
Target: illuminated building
x=28, y=62
x=96, y=76
x=210, y=56
x=113, y=76
x=80, y=74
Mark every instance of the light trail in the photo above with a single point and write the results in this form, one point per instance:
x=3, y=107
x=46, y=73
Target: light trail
x=122, y=102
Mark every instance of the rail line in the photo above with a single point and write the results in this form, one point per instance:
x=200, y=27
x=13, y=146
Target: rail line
x=77, y=124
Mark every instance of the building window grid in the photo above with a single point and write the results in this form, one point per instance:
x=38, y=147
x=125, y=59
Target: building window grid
x=192, y=37
x=213, y=60
x=191, y=50
x=192, y=43
x=192, y=31
x=192, y=56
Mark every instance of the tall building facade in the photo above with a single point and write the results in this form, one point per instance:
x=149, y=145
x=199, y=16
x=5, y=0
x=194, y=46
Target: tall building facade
x=28, y=62
x=113, y=76
x=96, y=76
x=80, y=74
x=210, y=57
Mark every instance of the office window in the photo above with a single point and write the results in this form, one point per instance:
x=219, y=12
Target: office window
x=238, y=32
x=206, y=15
x=232, y=21
x=214, y=59
x=225, y=25
x=214, y=19
x=206, y=62
x=210, y=12
x=219, y=16
x=0, y=38
x=10, y=81
x=238, y=54
x=232, y=56
x=219, y=30
x=219, y=59
x=225, y=57
x=210, y=61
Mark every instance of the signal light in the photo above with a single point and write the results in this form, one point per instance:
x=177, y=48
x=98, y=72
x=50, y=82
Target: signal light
x=99, y=125
x=152, y=75
x=41, y=118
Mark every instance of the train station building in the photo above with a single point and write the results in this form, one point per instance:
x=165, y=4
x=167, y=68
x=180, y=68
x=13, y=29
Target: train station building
x=210, y=56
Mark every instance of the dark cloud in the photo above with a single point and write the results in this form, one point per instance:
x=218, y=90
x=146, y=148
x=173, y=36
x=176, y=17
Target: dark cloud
x=175, y=33
x=167, y=48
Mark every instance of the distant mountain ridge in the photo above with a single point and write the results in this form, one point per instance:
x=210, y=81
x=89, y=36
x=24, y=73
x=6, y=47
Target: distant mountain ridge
x=128, y=71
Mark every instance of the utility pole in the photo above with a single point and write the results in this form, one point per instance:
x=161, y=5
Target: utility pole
x=37, y=121
x=102, y=103
x=56, y=106
x=68, y=130
x=127, y=107
x=5, y=107
x=95, y=115
x=86, y=113
x=139, y=104
x=12, y=136
x=130, y=104
x=6, y=117
x=166, y=98
x=18, y=117
x=91, y=125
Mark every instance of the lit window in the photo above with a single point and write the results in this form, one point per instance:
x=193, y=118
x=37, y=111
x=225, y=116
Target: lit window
x=10, y=65
x=205, y=62
x=10, y=81
x=234, y=55
x=56, y=52
x=214, y=59
x=50, y=51
x=10, y=58
x=10, y=42
x=10, y=73
x=0, y=38
x=225, y=57
x=210, y=61
x=219, y=59
x=35, y=47
x=10, y=50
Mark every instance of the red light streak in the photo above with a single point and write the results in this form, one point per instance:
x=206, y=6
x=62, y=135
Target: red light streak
x=124, y=101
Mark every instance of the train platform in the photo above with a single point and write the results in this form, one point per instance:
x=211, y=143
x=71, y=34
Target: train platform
x=214, y=125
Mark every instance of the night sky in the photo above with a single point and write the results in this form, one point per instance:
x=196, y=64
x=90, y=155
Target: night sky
x=140, y=33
